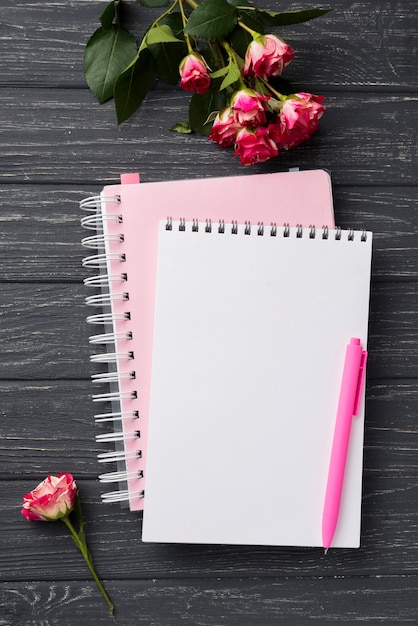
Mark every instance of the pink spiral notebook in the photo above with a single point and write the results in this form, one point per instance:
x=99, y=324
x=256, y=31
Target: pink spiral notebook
x=126, y=220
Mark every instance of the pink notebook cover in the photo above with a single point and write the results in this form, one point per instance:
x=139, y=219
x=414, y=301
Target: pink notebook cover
x=295, y=197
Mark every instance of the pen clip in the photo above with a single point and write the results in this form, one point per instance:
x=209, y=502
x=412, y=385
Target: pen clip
x=360, y=381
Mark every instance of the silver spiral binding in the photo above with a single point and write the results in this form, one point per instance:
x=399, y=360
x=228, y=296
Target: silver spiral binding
x=286, y=230
x=106, y=222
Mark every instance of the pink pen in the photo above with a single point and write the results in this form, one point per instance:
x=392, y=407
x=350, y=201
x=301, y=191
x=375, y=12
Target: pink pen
x=348, y=405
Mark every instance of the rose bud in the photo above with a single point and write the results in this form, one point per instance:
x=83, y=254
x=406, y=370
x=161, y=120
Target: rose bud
x=249, y=107
x=267, y=55
x=194, y=73
x=225, y=128
x=51, y=500
x=254, y=146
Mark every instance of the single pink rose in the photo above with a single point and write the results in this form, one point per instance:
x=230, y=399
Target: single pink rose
x=254, y=146
x=249, y=107
x=194, y=73
x=51, y=500
x=267, y=55
x=297, y=120
x=225, y=128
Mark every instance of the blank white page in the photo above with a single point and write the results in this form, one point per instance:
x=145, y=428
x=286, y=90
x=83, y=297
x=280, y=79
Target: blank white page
x=249, y=342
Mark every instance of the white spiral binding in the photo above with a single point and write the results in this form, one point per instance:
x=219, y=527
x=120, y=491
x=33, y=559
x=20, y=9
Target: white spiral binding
x=117, y=477
x=117, y=436
x=103, y=280
x=102, y=299
x=99, y=222
x=116, y=416
x=112, y=377
x=96, y=242
x=113, y=395
x=107, y=318
x=94, y=221
x=117, y=455
x=97, y=261
x=119, y=496
x=93, y=203
x=111, y=357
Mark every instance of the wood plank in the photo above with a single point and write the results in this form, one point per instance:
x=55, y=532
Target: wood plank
x=266, y=601
x=44, y=334
x=62, y=136
x=48, y=427
x=33, y=551
x=358, y=44
x=41, y=231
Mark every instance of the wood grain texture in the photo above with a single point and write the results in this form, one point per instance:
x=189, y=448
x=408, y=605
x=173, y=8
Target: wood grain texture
x=271, y=601
x=64, y=136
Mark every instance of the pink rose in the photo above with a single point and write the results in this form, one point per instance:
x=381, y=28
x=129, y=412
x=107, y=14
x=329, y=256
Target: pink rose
x=194, y=73
x=267, y=55
x=254, y=146
x=249, y=107
x=297, y=120
x=52, y=499
x=225, y=128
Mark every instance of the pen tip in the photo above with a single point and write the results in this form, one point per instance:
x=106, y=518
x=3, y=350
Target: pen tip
x=326, y=551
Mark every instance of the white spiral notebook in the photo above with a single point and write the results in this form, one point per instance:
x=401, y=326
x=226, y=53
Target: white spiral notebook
x=126, y=219
x=250, y=331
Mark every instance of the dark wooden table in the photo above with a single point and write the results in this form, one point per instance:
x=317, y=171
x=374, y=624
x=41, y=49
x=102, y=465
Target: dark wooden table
x=57, y=146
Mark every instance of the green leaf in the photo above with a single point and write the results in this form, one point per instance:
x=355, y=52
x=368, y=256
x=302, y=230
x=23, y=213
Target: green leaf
x=167, y=57
x=133, y=85
x=108, y=16
x=200, y=108
x=213, y=19
x=182, y=127
x=219, y=73
x=286, y=18
x=154, y=3
x=231, y=74
x=160, y=34
x=107, y=54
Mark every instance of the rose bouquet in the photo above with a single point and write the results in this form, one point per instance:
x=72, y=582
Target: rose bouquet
x=217, y=50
